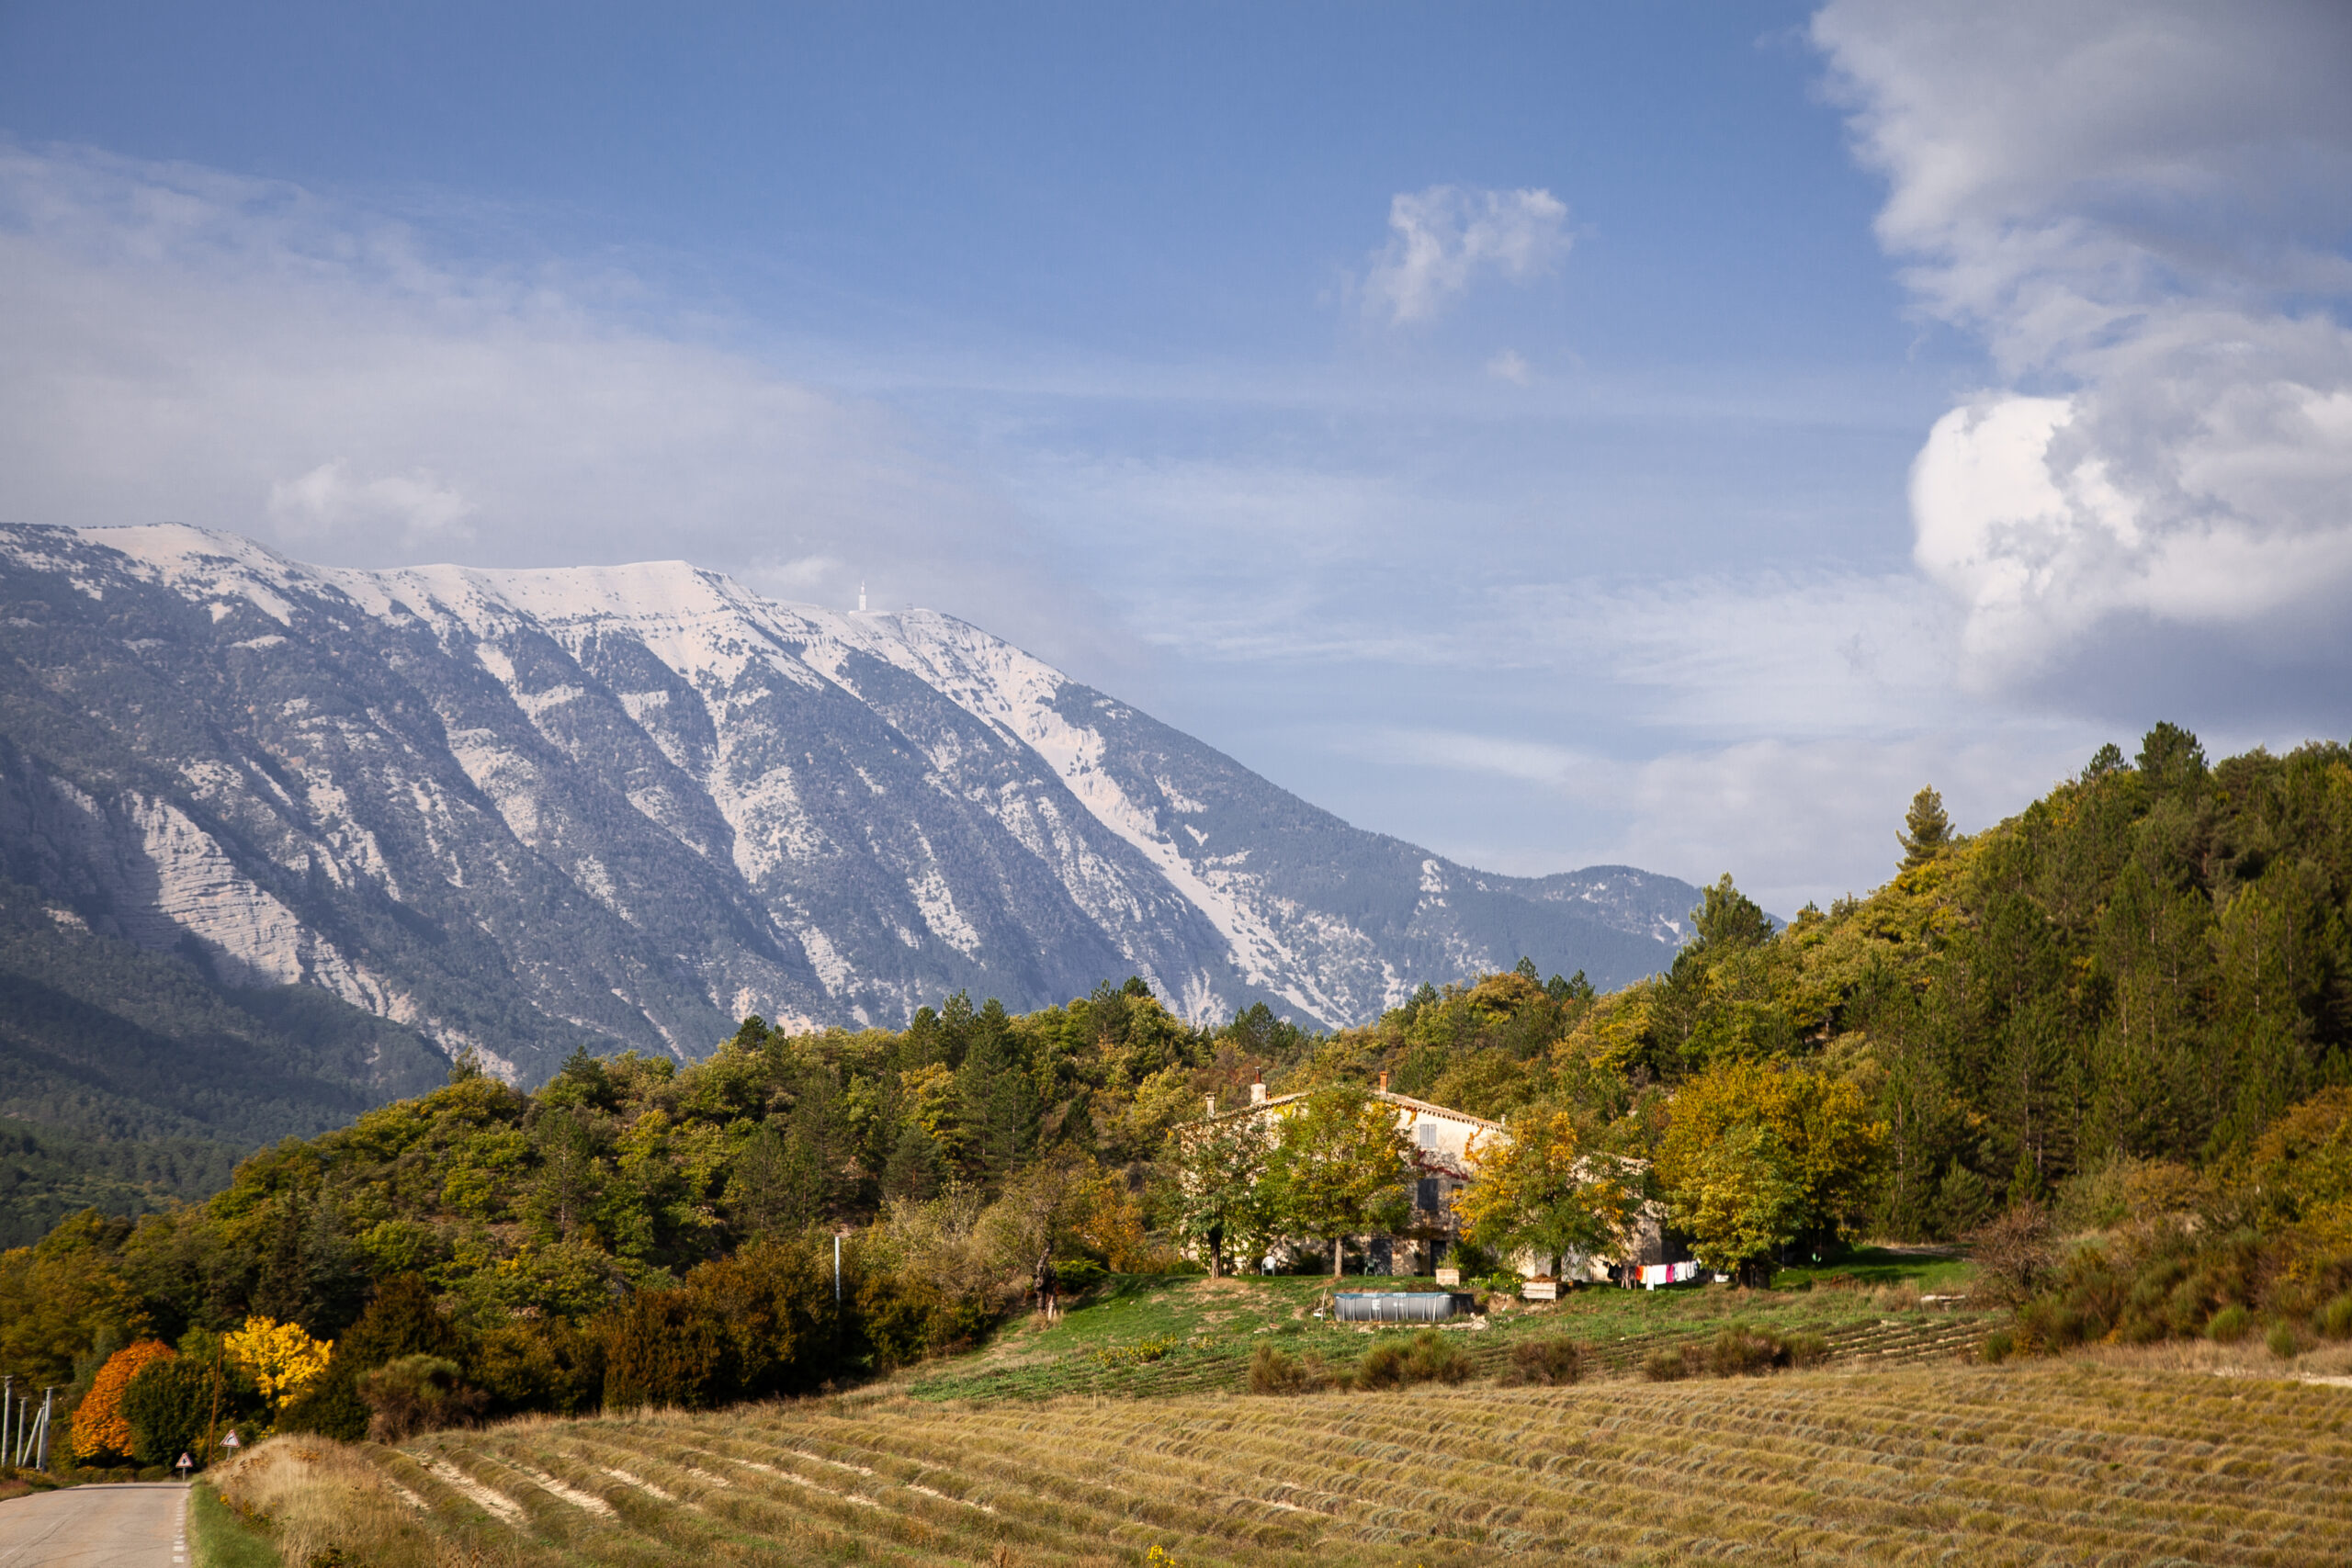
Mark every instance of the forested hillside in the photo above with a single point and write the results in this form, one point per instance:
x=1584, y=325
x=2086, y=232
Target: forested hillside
x=2130, y=1003
x=130, y=1079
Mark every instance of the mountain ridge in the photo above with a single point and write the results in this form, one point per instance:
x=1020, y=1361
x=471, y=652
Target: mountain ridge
x=523, y=811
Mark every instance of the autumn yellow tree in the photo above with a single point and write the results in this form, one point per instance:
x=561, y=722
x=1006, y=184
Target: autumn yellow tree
x=100, y=1429
x=1538, y=1189
x=282, y=1358
x=1758, y=1152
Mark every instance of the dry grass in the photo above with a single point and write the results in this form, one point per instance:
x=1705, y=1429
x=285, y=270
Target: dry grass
x=2075, y=1462
x=323, y=1502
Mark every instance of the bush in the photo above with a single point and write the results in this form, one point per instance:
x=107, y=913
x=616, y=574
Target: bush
x=1430, y=1358
x=1543, y=1363
x=1272, y=1371
x=1741, y=1351
x=2229, y=1326
x=1075, y=1275
x=331, y=1406
x=1666, y=1366
x=418, y=1393
x=1999, y=1345
x=2015, y=1253
x=2334, y=1319
x=756, y=1323
x=167, y=1404
x=403, y=1320
x=903, y=1319
x=539, y=1365
x=2284, y=1342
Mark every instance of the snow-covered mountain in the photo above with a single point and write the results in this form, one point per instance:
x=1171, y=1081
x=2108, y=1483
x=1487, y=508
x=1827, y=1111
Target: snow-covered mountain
x=523, y=811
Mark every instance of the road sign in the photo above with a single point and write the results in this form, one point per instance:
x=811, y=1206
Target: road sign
x=231, y=1442
x=184, y=1465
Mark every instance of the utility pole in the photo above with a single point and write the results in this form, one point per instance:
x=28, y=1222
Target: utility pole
x=8, y=1407
x=47, y=1409
x=212, y=1422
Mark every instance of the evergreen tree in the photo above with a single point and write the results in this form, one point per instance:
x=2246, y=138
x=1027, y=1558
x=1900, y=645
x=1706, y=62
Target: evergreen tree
x=1728, y=919
x=1927, y=830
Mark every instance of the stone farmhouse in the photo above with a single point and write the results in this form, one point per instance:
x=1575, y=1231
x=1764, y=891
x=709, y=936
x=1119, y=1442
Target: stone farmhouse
x=1439, y=1139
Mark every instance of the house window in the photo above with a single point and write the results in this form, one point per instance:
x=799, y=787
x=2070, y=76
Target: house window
x=1425, y=1133
x=1424, y=1193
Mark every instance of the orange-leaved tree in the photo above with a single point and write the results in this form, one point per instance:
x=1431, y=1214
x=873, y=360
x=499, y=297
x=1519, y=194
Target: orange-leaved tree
x=100, y=1429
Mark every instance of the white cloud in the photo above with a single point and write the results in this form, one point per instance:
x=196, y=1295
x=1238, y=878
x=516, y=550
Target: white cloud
x=1510, y=365
x=189, y=345
x=329, y=500
x=1443, y=238
x=2142, y=208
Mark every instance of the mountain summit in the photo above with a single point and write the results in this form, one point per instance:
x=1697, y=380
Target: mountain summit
x=523, y=811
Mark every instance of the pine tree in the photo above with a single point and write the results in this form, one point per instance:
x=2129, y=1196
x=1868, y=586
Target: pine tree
x=1927, y=830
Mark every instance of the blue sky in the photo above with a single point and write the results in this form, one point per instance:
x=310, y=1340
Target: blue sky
x=1550, y=434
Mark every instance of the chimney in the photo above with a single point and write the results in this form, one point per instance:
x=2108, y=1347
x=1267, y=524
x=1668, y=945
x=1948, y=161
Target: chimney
x=1383, y=1083
x=1258, y=1091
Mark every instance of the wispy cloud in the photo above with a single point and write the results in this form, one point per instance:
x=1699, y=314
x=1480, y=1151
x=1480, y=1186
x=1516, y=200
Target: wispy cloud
x=1512, y=366
x=190, y=346
x=1794, y=819
x=1442, y=240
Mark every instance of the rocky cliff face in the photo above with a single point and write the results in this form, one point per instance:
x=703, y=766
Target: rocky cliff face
x=520, y=811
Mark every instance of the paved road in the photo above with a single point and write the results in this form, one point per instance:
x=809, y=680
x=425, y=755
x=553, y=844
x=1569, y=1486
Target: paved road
x=96, y=1527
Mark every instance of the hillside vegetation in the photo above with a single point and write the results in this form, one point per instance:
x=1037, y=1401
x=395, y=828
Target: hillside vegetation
x=2113, y=1028
x=131, y=1079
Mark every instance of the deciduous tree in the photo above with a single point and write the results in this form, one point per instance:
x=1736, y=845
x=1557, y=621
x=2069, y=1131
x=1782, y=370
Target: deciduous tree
x=1338, y=1165
x=1539, y=1190
x=1222, y=1198
x=1758, y=1153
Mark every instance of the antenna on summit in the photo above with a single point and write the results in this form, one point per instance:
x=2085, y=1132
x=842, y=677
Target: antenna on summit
x=861, y=597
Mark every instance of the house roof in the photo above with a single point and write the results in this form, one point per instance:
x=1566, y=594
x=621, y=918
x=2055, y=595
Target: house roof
x=1406, y=1101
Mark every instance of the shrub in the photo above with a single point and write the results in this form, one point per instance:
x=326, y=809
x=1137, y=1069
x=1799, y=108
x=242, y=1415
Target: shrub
x=1543, y=1363
x=2284, y=1342
x=1143, y=1352
x=1741, y=1351
x=539, y=1365
x=404, y=1320
x=2229, y=1326
x=2015, y=1253
x=2334, y=1319
x=1272, y=1371
x=418, y=1393
x=1430, y=1358
x=1666, y=1366
x=666, y=1348
x=758, y=1323
x=1999, y=1345
x=166, y=1405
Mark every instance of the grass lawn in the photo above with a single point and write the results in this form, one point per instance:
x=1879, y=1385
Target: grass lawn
x=1139, y=1336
